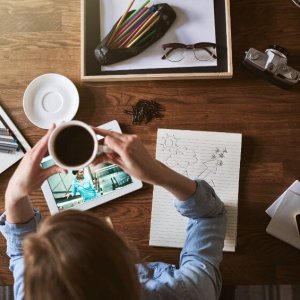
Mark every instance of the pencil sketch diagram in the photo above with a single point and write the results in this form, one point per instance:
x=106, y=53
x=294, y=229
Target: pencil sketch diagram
x=187, y=161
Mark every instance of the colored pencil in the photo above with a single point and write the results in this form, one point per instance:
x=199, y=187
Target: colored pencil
x=136, y=12
x=141, y=20
x=133, y=41
x=127, y=31
x=138, y=29
x=143, y=39
x=141, y=29
x=120, y=22
x=132, y=22
x=128, y=37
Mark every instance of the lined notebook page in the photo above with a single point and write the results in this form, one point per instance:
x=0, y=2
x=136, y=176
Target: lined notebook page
x=212, y=156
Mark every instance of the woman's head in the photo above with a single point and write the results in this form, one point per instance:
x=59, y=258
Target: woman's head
x=79, y=173
x=74, y=256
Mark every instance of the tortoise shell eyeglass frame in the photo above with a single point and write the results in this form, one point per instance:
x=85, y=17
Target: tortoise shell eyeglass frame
x=205, y=46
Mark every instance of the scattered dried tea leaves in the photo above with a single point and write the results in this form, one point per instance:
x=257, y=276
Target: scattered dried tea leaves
x=144, y=111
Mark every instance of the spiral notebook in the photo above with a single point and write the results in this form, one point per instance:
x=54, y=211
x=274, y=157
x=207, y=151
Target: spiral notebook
x=212, y=156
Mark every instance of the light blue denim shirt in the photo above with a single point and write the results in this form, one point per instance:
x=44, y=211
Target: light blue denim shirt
x=198, y=275
x=85, y=188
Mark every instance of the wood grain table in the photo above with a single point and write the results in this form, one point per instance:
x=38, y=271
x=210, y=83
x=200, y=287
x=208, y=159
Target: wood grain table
x=38, y=37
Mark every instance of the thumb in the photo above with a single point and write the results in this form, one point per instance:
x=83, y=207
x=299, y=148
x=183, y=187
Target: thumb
x=53, y=170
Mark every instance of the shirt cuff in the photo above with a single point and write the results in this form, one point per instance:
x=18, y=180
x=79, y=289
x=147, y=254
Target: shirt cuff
x=204, y=202
x=15, y=233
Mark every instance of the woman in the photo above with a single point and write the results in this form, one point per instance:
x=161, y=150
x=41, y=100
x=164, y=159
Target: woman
x=83, y=186
x=73, y=255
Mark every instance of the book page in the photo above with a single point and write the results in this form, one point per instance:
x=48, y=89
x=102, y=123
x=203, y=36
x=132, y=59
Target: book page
x=212, y=156
x=194, y=23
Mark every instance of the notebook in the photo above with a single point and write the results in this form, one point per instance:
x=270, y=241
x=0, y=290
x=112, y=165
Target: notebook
x=13, y=146
x=212, y=156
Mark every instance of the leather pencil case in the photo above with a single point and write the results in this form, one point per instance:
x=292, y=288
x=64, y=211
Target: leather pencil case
x=107, y=55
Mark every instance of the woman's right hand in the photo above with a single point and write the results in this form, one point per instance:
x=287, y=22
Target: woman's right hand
x=131, y=155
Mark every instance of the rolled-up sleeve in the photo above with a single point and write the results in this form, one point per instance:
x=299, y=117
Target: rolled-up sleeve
x=202, y=252
x=198, y=275
x=14, y=235
x=204, y=203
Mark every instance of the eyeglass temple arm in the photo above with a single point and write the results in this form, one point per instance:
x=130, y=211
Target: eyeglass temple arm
x=203, y=46
x=211, y=53
x=166, y=54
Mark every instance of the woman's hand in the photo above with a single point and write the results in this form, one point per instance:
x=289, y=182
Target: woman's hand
x=29, y=175
x=131, y=155
x=68, y=195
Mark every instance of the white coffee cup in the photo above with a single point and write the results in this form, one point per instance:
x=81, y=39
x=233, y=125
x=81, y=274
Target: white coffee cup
x=68, y=139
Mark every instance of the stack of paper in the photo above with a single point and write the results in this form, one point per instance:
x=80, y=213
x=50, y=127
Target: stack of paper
x=8, y=144
x=12, y=143
x=283, y=212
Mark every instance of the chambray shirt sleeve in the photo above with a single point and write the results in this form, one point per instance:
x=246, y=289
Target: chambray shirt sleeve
x=198, y=275
x=202, y=252
x=14, y=235
x=92, y=186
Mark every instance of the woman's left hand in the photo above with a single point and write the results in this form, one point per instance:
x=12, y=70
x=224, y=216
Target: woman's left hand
x=29, y=175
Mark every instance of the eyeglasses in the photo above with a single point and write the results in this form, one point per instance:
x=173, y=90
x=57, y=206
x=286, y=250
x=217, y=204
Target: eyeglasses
x=202, y=51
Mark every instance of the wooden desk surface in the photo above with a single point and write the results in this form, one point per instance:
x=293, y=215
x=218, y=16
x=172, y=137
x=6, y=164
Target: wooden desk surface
x=38, y=37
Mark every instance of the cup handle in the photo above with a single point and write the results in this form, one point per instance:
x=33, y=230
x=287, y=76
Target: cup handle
x=104, y=149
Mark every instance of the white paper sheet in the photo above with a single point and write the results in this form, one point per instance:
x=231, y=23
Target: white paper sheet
x=294, y=187
x=212, y=156
x=194, y=23
x=283, y=225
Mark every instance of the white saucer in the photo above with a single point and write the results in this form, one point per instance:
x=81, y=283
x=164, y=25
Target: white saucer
x=50, y=98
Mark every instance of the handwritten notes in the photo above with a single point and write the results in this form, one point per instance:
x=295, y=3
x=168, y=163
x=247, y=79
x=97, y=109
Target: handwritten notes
x=212, y=156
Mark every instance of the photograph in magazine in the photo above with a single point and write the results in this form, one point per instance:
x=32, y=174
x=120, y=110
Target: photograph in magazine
x=83, y=185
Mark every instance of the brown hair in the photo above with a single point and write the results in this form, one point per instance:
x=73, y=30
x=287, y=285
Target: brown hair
x=74, y=255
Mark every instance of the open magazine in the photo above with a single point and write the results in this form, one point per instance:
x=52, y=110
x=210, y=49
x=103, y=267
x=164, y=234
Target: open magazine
x=13, y=146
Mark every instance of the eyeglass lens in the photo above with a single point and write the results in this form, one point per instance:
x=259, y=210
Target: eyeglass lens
x=201, y=54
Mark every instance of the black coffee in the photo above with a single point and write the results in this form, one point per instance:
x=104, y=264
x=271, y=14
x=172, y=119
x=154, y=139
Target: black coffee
x=73, y=145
